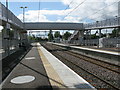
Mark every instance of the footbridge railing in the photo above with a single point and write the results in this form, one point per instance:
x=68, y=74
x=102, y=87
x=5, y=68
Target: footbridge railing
x=108, y=23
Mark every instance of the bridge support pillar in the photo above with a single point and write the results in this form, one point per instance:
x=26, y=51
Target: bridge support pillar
x=100, y=33
x=90, y=43
x=88, y=36
x=81, y=36
x=100, y=40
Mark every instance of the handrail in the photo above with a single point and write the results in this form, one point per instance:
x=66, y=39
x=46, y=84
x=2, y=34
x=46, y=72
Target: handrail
x=112, y=22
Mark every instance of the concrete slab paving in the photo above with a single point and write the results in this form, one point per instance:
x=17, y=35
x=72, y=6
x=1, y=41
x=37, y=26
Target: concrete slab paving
x=32, y=67
x=68, y=76
x=46, y=72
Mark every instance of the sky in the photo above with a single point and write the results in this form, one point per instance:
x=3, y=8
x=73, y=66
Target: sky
x=64, y=10
x=83, y=11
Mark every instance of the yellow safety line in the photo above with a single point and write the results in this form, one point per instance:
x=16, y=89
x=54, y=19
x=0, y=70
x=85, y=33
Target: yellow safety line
x=52, y=74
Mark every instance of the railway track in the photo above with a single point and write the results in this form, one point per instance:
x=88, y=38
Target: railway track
x=88, y=72
x=104, y=64
x=111, y=67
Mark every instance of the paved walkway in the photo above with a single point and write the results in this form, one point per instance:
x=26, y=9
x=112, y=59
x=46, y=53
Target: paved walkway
x=31, y=65
x=9, y=62
x=40, y=69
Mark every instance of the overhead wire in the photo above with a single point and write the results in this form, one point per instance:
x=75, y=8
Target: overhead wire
x=98, y=11
x=102, y=15
x=74, y=9
x=68, y=5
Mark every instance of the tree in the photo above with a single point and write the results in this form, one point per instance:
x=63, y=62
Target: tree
x=31, y=37
x=67, y=35
x=93, y=36
x=50, y=36
x=115, y=33
x=57, y=34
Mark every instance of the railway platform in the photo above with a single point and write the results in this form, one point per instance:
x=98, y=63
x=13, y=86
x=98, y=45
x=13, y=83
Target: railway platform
x=101, y=54
x=40, y=69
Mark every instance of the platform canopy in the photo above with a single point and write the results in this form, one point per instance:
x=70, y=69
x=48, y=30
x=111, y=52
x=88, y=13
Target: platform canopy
x=53, y=26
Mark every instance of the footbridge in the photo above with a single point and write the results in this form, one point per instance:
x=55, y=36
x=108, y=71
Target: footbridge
x=53, y=26
x=7, y=15
x=81, y=62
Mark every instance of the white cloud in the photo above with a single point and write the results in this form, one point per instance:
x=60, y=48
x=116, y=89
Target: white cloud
x=94, y=9
x=66, y=2
x=90, y=9
x=32, y=15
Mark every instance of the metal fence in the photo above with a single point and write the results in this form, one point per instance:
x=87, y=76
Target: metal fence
x=113, y=22
x=13, y=45
x=111, y=42
x=106, y=42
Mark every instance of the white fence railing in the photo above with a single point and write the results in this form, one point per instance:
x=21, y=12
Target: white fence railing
x=106, y=42
x=113, y=22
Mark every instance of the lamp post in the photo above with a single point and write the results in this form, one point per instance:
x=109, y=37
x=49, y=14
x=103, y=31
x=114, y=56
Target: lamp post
x=23, y=18
x=23, y=13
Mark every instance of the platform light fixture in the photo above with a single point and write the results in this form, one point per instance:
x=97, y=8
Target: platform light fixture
x=23, y=20
x=23, y=13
